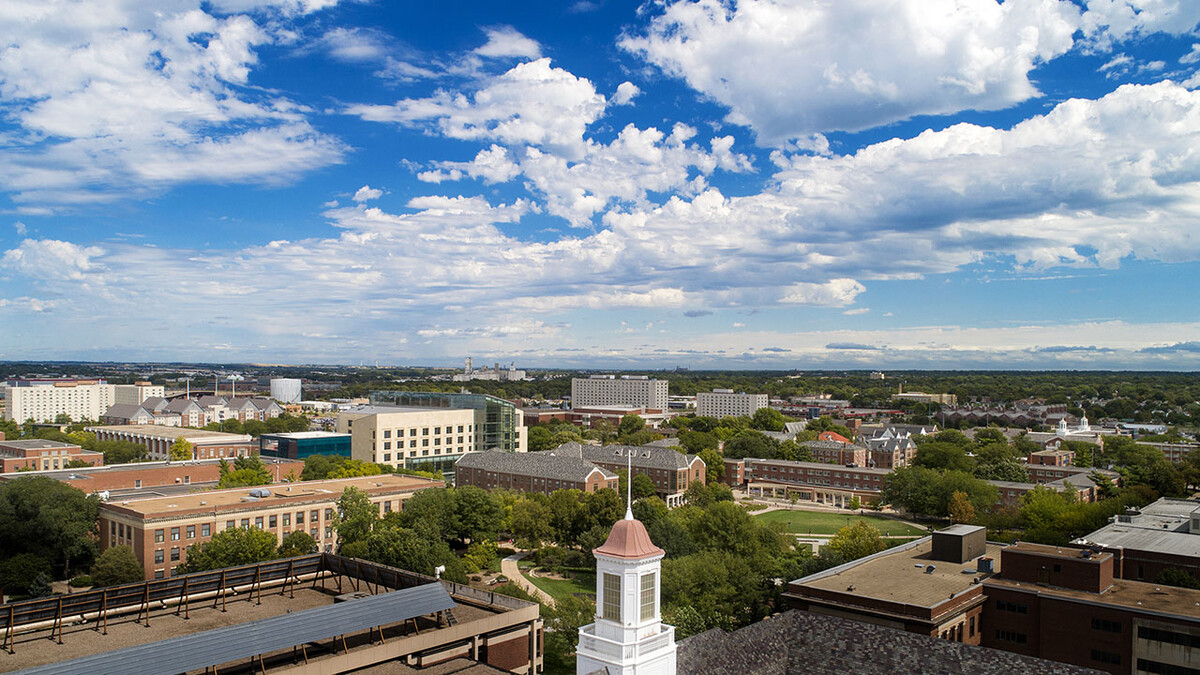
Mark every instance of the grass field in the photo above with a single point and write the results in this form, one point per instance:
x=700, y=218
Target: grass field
x=583, y=582
x=819, y=522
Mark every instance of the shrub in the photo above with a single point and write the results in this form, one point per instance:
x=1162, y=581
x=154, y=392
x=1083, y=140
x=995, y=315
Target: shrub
x=82, y=581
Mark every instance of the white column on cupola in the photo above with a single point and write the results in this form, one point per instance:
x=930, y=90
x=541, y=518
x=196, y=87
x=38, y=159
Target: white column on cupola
x=628, y=636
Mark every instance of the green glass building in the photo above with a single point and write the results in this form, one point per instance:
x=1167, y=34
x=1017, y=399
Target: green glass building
x=497, y=422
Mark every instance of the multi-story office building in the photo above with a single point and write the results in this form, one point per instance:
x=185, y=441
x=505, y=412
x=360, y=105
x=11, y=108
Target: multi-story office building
x=45, y=400
x=498, y=423
x=725, y=402
x=542, y=472
x=159, y=439
x=627, y=390
x=160, y=529
x=37, y=454
x=425, y=439
x=140, y=479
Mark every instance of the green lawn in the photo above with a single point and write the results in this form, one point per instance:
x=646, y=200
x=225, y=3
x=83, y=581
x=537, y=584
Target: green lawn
x=820, y=522
x=584, y=582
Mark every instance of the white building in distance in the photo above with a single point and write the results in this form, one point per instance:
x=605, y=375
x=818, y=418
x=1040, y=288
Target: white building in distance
x=285, y=390
x=635, y=391
x=725, y=402
x=510, y=374
x=44, y=400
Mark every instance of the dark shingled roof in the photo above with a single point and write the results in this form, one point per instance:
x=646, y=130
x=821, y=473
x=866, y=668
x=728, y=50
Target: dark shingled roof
x=644, y=456
x=535, y=464
x=800, y=642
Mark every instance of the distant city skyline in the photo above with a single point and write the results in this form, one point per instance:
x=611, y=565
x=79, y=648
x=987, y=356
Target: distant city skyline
x=917, y=184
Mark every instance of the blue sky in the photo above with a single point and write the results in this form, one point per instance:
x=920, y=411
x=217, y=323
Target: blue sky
x=802, y=184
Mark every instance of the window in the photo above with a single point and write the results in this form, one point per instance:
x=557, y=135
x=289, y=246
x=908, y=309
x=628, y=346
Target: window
x=612, y=597
x=328, y=532
x=229, y=524
x=460, y=427
x=287, y=520
x=258, y=522
x=971, y=625
x=387, y=456
x=648, y=596
x=387, y=433
x=191, y=531
x=205, y=529
x=425, y=431
x=328, y=514
x=137, y=483
x=159, y=574
x=1106, y=625
x=1168, y=636
x=175, y=554
x=158, y=536
x=174, y=534
x=437, y=430
x=315, y=514
x=425, y=442
x=246, y=523
x=1011, y=636
x=158, y=555
x=299, y=517
x=273, y=522
x=1006, y=606
x=1057, y=568
x=1106, y=657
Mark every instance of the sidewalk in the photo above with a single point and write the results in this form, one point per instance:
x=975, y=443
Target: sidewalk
x=510, y=569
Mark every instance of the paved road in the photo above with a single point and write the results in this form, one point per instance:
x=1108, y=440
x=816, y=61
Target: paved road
x=509, y=568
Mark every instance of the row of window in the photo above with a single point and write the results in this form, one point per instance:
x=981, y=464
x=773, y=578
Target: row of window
x=1159, y=668
x=611, y=594
x=437, y=431
x=1168, y=636
x=1011, y=636
x=437, y=442
x=1005, y=606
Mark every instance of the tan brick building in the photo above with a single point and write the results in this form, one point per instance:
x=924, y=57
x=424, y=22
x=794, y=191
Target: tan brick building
x=158, y=440
x=161, y=528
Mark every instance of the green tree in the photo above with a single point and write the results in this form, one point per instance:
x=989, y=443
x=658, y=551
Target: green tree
x=231, y=547
x=121, y=452
x=52, y=520
x=696, y=442
x=630, y=424
x=297, y=543
x=751, y=444
x=540, y=438
x=479, y=515
x=245, y=472
x=353, y=468
x=714, y=465
x=115, y=566
x=530, y=523
x=403, y=548
x=181, y=450
x=355, y=516
x=768, y=419
x=563, y=622
x=76, y=464
x=20, y=572
x=856, y=541
x=1173, y=576
x=944, y=455
x=1003, y=468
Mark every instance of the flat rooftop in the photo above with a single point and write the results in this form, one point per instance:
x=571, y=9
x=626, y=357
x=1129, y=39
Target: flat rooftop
x=396, y=409
x=1062, y=552
x=281, y=494
x=36, y=444
x=300, y=435
x=901, y=575
x=172, y=433
x=1134, y=595
x=1125, y=535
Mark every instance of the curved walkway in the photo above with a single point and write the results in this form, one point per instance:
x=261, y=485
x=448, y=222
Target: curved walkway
x=510, y=569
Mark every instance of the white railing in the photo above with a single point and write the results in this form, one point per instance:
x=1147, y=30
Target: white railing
x=590, y=643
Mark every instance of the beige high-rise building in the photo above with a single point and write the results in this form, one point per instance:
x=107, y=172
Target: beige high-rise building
x=136, y=393
x=725, y=402
x=44, y=400
x=637, y=391
x=425, y=439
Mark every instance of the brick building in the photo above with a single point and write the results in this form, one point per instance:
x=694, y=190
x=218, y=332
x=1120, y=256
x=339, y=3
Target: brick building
x=542, y=472
x=837, y=452
x=1068, y=605
x=160, y=529
x=38, y=454
x=153, y=477
x=810, y=481
x=1052, y=457
x=671, y=471
x=921, y=587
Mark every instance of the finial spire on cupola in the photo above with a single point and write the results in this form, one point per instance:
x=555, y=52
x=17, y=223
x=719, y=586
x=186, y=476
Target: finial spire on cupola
x=629, y=485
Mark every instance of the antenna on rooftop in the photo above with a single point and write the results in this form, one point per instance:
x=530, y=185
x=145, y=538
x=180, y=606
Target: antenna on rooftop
x=629, y=485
